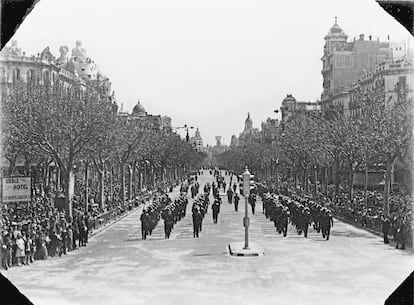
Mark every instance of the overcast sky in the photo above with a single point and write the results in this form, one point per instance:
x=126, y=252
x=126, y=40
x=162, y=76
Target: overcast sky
x=205, y=63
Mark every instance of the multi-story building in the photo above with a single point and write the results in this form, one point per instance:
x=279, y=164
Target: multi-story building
x=74, y=70
x=343, y=63
x=291, y=108
x=387, y=78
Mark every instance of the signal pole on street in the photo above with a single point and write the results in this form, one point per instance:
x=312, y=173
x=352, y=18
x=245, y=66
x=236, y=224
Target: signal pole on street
x=237, y=248
x=246, y=193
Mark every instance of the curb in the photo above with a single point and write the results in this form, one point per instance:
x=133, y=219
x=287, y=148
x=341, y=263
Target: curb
x=241, y=254
x=108, y=225
x=379, y=234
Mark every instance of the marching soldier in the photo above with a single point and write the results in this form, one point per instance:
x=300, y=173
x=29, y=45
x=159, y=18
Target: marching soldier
x=196, y=221
x=216, y=210
x=326, y=223
x=229, y=195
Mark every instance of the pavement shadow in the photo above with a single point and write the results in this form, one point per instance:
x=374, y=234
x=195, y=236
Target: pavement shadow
x=353, y=234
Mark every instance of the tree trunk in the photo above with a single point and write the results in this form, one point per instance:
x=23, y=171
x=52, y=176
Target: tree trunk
x=326, y=180
x=351, y=185
x=69, y=189
x=122, y=172
x=111, y=183
x=86, y=186
x=134, y=180
x=366, y=186
x=337, y=177
x=129, y=182
x=101, y=176
x=387, y=186
x=315, y=179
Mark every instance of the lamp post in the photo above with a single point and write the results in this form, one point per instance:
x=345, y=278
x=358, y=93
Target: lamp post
x=187, y=137
x=246, y=192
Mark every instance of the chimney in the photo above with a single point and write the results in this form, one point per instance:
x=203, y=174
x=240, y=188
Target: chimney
x=361, y=36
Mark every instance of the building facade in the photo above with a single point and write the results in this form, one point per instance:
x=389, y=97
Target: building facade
x=45, y=68
x=291, y=108
x=197, y=141
x=344, y=62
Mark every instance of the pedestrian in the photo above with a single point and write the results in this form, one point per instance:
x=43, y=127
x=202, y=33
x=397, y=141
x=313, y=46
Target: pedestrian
x=20, y=249
x=229, y=195
x=252, y=202
x=27, y=249
x=386, y=225
x=236, y=202
x=216, y=210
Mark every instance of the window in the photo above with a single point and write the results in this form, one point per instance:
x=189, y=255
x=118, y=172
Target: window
x=16, y=74
x=46, y=77
x=30, y=75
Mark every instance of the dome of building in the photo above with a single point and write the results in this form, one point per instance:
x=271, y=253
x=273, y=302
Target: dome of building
x=336, y=29
x=289, y=99
x=138, y=109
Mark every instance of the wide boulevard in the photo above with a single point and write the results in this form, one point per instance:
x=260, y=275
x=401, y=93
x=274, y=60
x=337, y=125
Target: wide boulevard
x=118, y=267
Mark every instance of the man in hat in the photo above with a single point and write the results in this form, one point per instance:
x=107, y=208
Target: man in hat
x=386, y=225
x=216, y=210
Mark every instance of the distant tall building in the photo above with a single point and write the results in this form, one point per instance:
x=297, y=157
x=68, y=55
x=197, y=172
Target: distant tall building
x=197, y=141
x=248, y=132
x=218, y=141
x=343, y=62
x=234, y=141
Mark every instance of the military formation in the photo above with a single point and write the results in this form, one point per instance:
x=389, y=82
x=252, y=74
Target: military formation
x=173, y=213
x=199, y=210
x=301, y=212
x=281, y=209
x=152, y=213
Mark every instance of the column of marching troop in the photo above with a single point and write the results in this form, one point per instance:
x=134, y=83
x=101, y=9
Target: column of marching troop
x=301, y=212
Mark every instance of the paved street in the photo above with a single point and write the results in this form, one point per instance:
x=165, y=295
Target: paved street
x=118, y=267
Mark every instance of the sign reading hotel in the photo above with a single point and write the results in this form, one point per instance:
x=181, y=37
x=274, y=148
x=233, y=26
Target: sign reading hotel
x=16, y=189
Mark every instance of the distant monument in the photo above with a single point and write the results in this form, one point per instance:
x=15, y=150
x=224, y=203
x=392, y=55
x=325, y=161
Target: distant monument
x=13, y=50
x=218, y=141
x=64, y=57
x=46, y=54
x=79, y=53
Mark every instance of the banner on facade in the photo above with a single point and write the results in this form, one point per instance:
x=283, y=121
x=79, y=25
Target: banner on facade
x=16, y=189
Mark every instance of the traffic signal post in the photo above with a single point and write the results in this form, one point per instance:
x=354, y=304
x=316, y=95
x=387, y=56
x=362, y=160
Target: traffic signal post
x=237, y=248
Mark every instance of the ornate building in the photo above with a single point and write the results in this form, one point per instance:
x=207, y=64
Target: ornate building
x=248, y=132
x=77, y=69
x=291, y=107
x=344, y=62
x=197, y=141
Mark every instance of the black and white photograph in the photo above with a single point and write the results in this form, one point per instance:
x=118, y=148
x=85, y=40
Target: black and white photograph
x=180, y=152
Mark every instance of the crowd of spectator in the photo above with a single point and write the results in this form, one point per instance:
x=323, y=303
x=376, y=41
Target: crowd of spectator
x=38, y=229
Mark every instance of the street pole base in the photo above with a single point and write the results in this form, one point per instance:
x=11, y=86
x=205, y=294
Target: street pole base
x=239, y=249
